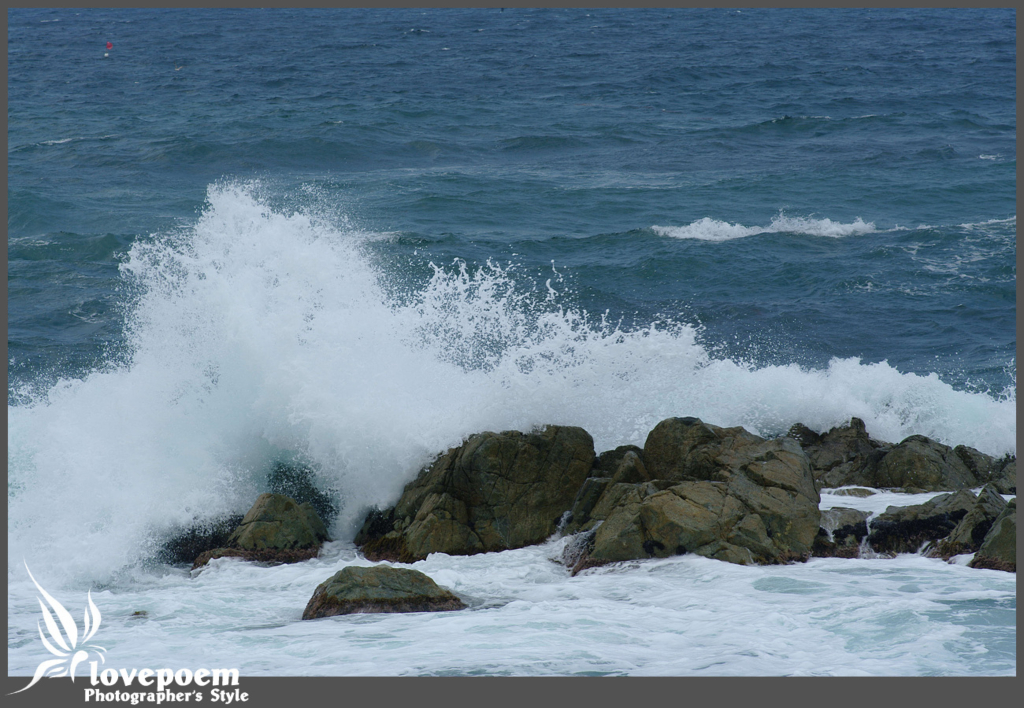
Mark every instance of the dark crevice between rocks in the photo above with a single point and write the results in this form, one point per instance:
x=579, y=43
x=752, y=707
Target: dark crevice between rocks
x=910, y=535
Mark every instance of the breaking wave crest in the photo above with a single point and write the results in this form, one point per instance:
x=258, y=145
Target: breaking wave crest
x=257, y=336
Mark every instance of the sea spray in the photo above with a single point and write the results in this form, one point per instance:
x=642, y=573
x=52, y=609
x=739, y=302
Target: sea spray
x=257, y=335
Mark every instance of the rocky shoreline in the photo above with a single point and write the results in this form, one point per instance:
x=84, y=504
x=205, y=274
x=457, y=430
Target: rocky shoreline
x=722, y=493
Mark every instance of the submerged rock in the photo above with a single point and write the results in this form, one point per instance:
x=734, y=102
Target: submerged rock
x=379, y=589
x=495, y=492
x=998, y=551
x=969, y=534
x=854, y=492
x=719, y=492
x=276, y=529
x=906, y=529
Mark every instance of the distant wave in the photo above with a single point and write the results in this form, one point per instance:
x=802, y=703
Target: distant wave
x=708, y=229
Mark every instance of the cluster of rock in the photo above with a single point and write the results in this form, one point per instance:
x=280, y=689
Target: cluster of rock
x=693, y=487
x=846, y=455
x=956, y=523
x=722, y=493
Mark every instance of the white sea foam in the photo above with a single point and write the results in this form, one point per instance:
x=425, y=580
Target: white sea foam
x=681, y=616
x=258, y=336
x=708, y=229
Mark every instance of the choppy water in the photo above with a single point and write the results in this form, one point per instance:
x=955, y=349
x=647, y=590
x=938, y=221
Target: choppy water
x=352, y=238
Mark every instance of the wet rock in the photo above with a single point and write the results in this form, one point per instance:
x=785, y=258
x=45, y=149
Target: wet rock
x=298, y=482
x=495, y=492
x=854, y=492
x=586, y=499
x=841, y=533
x=983, y=467
x=607, y=462
x=184, y=546
x=277, y=522
x=969, y=534
x=919, y=464
x=276, y=529
x=843, y=456
x=630, y=470
x=719, y=492
x=267, y=556
x=906, y=529
x=577, y=549
x=1005, y=480
x=999, y=548
x=379, y=589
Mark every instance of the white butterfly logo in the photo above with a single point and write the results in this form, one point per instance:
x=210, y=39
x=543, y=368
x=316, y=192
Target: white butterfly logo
x=70, y=651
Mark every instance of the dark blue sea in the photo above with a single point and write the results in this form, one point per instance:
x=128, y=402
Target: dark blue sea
x=352, y=238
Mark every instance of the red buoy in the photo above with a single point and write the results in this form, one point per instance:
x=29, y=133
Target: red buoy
x=110, y=45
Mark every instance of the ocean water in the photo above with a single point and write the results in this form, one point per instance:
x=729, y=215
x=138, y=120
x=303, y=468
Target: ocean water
x=352, y=238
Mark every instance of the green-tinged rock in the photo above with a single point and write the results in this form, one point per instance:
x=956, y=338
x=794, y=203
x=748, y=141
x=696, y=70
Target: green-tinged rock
x=630, y=470
x=495, y=492
x=586, y=499
x=843, y=456
x=608, y=462
x=921, y=464
x=999, y=549
x=854, y=492
x=720, y=492
x=379, y=589
x=277, y=522
x=969, y=534
x=906, y=529
x=1005, y=480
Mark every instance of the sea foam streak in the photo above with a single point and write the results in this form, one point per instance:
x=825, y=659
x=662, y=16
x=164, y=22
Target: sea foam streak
x=258, y=336
x=708, y=229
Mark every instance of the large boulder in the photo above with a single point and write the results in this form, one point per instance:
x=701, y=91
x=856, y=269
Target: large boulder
x=906, y=529
x=719, y=492
x=999, y=549
x=378, y=589
x=280, y=523
x=919, y=464
x=969, y=534
x=495, y=492
x=276, y=529
x=843, y=456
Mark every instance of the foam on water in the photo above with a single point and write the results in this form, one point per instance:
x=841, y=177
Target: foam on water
x=685, y=615
x=256, y=336
x=708, y=229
